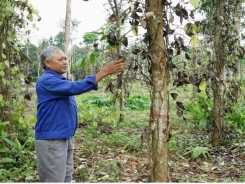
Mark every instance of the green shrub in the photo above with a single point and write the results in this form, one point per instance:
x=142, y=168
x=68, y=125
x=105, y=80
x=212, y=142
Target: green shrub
x=198, y=151
x=17, y=156
x=172, y=142
x=200, y=110
x=108, y=171
x=236, y=119
x=138, y=102
x=96, y=100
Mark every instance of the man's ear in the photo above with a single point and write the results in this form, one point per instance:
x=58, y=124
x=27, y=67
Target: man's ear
x=47, y=63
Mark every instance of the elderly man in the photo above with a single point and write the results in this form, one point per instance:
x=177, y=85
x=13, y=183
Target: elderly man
x=57, y=114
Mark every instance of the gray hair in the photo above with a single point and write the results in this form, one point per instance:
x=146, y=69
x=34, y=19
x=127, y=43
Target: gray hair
x=48, y=53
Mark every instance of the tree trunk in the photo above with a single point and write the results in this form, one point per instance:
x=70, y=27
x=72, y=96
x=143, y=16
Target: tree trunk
x=159, y=119
x=40, y=68
x=120, y=79
x=219, y=85
x=67, y=36
x=238, y=74
x=27, y=68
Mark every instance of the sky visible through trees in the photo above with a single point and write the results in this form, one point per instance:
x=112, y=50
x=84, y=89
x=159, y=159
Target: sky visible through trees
x=91, y=13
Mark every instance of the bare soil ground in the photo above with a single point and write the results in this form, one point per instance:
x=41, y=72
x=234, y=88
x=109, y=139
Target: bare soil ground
x=219, y=165
x=222, y=164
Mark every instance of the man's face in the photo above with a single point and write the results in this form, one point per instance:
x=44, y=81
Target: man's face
x=57, y=63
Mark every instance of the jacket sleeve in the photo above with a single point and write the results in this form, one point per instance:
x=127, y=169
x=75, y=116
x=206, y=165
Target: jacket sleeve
x=62, y=87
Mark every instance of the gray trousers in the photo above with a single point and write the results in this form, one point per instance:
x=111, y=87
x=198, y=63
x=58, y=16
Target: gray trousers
x=55, y=159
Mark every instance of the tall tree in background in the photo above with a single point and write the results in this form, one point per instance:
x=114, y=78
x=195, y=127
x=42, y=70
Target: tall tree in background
x=33, y=55
x=219, y=88
x=237, y=14
x=228, y=55
x=67, y=36
x=57, y=40
x=222, y=28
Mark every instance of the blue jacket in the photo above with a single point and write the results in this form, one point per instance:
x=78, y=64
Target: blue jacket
x=56, y=105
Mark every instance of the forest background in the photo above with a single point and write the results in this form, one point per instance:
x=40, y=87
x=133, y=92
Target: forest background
x=176, y=114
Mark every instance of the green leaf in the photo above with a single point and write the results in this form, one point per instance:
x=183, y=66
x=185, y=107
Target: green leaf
x=13, y=71
x=34, y=26
x=10, y=33
x=2, y=66
x=9, y=142
x=194, y=3
x=31, y=121
x=210, y=50
x=92, y=58
x=135, y=30
x=2, y=74
x=111, y=48
x=4, y=45
x=197, y=151
x=104, y=37
x=19, y=146
x=1, y=97
x=205, y=60
x=78, y=62
x=23, y=25
x=30, y=17
x=6, y=160
x=74, y=66
x=194, y=42
x=202, y=124
x=35, y=12
x=2, y=125
x=10, y=39
x=4, y=81
x=21, y=120
x=3, y=149
x=6, y=62
x=83, y=63
x=3, y=56
x=9, y=8
x=96, y=53
x=203, y=85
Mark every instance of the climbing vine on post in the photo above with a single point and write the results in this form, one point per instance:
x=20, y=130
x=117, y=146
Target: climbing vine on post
x=15, y=19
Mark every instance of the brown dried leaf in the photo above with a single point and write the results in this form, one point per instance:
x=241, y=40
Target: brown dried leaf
x=180, y=105
x=95, y=45
x=179, y=112
x=39, y=18
x=149, y=14
x=125, y=41
x=112, y=18
x=136, y=51
x=171, y=18
x=143, y=23
x=174, y=95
